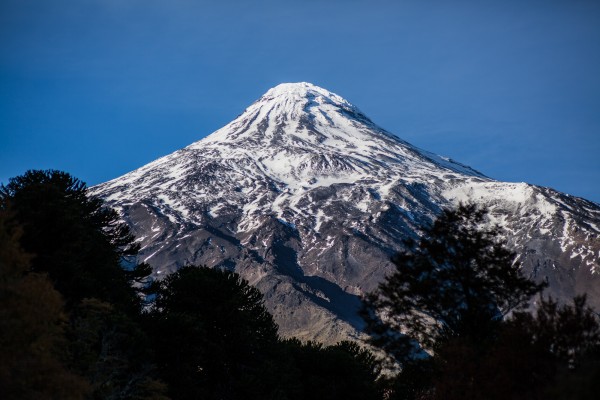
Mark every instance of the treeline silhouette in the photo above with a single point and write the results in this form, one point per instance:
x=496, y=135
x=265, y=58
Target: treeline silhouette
x=460, y=299
x=76, y=320
x=80, y=318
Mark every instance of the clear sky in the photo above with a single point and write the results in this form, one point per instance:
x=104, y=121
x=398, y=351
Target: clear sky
x=100, y=87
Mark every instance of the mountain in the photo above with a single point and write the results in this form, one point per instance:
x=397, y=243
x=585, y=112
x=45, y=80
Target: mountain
x=307, y=199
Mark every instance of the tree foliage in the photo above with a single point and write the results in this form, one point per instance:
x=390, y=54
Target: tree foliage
x=344, y=371
x=458, y=280
x=212, y=333
x=75, y=239
x=82, y=249
x=32, y=329
x=568, y=332
x=459, y=294
x=533, y=356
x=215, y=340
x=111, y=349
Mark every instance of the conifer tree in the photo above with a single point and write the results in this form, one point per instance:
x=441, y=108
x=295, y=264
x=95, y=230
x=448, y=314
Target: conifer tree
x=212, y=334
x=75, y=239
x=550, y=354
x=32, y=329
x=87, y=255
x=344, y=371
x=457, y=281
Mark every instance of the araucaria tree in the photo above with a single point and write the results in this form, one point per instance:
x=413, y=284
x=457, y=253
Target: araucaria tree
x=69, y=309
x=75, y=239
x=213, y=335
x=457, y=282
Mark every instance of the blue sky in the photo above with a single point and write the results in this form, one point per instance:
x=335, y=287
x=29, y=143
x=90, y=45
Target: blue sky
x=101, y=87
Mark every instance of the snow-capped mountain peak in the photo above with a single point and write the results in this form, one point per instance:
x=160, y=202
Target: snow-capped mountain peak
x=285, y=92
x=298, y=109
x=296, y=138
x=298, y=130
x=307, y=198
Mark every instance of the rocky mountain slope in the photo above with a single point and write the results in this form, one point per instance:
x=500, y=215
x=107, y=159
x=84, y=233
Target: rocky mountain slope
x=307, y=198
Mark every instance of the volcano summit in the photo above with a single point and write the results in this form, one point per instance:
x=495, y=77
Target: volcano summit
x=307, y=199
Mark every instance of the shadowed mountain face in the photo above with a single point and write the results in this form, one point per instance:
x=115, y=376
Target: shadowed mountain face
x=307, y=198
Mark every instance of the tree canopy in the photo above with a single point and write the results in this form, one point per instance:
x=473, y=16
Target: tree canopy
x=77, y=250
x=458, y=280
x=215, y=340
x=32, y=329
x=459, y=294
x=212, y=333
x=74, y=238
